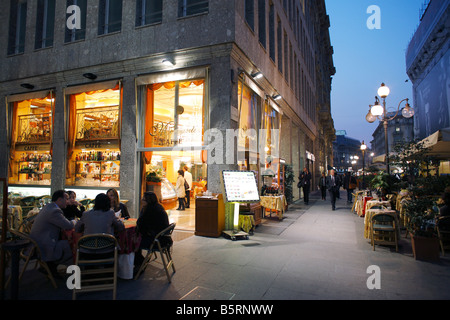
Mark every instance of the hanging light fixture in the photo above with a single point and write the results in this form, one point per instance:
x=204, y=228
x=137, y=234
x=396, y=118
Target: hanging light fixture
x=408, y=111
x=377, y=109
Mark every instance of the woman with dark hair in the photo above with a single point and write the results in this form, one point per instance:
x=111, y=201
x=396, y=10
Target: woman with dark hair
x=101, y=219
x=73, y=209
x=119, y=208
x=152, y=220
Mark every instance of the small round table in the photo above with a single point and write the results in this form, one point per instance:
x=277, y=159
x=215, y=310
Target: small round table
x=14, y=247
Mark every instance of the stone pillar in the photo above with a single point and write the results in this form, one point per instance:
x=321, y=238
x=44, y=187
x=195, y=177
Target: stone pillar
x=59, y=155
x=129, y=175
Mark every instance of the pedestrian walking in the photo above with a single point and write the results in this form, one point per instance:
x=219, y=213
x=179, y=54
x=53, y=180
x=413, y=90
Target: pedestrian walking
x=349, y=185
x=323, y=186
x=333, y=185
x=305, y=178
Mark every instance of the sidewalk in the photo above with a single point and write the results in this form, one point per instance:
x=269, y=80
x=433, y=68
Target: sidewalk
x=314, y=253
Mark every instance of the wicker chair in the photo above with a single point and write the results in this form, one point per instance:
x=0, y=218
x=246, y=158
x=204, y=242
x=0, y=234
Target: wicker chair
x=97, y=259
x=383, y=230
x=443, y=229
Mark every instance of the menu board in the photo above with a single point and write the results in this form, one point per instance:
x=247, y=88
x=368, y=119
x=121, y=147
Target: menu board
x=240, y=186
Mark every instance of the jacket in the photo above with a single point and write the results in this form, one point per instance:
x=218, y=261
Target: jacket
x=96, y=221
x=46, y=231
x=181, y=193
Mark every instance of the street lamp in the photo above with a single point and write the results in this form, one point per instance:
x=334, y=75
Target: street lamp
x=363, y=150
x=378, y=111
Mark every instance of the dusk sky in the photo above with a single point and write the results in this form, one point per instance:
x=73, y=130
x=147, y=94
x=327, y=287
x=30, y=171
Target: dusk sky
x=365, y=58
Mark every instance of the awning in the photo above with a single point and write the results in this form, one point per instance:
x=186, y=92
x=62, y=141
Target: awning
x=379, y=159
x=438, y=144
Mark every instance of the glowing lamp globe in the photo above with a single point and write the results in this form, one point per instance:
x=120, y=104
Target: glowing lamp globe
x=377, y=110
x=383, y=91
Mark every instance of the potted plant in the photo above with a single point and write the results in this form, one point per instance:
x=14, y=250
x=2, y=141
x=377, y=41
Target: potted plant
x=154, y=178
x=420, y=209
x=421, y=212
x=380, y=183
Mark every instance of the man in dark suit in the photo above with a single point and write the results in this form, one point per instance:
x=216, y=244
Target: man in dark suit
x=333, y=185
x=46, y=232
x=305, y=178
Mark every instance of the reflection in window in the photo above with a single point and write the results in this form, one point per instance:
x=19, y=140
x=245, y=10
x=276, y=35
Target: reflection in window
x=191, y=7
x=17, y=26
x=148, y=12
x=76, y=34
x=109, y=16
x=45, y=24
x=175, y=114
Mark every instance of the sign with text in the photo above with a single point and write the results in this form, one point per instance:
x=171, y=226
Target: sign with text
x=240, y=186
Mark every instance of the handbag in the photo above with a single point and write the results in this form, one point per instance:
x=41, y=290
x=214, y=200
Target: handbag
x=186, y=185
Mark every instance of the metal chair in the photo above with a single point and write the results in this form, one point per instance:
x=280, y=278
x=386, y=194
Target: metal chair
x=97, y=258
x=383, y=230
x=163, y=244
x=32, y=253
x=443, y=229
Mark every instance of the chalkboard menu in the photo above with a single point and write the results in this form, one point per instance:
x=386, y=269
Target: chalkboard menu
x=240, y=186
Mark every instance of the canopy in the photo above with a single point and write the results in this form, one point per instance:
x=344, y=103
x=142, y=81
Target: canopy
x=438, y=144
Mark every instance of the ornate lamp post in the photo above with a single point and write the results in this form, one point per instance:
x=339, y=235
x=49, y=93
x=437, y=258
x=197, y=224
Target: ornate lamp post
x=378, y=111
x=363, y=150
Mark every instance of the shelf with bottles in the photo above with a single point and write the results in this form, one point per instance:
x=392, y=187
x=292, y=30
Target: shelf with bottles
x=97, y=168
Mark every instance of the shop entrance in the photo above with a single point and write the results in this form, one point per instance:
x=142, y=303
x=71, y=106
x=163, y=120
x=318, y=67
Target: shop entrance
x=172, y=127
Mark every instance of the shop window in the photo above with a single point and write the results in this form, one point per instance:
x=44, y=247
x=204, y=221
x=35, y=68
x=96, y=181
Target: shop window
x=78, y=32
x=45, y=24
x=250, y=13
x=109, y=16
x=17, y=26
x=31, y=140
x=94, y=139
x=191, y=7
x=248, y=156
x=148, y=12
x=174, y=119
x=262, y=22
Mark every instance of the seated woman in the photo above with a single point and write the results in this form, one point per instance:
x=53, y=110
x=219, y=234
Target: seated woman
x=73, y=209
x=152, y=220
x=119, y=208
x=101, y=219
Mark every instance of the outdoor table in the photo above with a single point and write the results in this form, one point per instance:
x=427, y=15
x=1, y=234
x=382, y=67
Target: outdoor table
x=276, y=203
x=14, y=247
x=368, y=219
x=362, y=205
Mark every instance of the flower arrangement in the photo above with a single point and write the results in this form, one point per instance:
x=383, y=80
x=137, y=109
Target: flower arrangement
x=154, y=175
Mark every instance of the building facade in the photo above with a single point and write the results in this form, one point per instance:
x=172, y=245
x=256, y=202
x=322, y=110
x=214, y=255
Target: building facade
x=428, y=67
x=100, y=93
x=399, y=130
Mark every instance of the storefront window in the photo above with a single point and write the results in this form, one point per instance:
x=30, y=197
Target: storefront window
x=174, y=127
x=31, y=139
x=94, y=139
x=249, y=123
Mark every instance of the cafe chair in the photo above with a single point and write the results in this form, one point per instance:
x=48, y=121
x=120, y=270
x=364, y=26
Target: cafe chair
x=32, y=252
x=443, y=230
x=163, y=244
x=27, y=204
x=383, y=230
x=27, y=223
x=97, y=259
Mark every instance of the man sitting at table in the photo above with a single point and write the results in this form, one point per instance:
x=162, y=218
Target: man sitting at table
x=46, y=231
